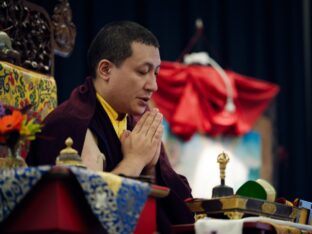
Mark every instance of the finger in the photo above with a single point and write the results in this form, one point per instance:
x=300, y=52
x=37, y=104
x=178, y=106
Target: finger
x=147, y=122
x=159, y=133
x=150, y=122
x=156, y=123
x=157, y=154
x=141, y=122
x=124, y=135
x=158, y=151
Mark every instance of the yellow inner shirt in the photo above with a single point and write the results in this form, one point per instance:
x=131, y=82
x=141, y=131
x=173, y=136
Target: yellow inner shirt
x=119, y=125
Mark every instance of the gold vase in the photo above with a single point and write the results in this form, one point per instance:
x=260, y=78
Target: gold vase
x=10, y=158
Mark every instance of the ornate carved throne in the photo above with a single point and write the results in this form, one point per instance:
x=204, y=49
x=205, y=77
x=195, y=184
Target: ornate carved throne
x=29, y=38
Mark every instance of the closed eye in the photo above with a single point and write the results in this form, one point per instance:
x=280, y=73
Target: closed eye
x=156, y=71
x=142, y=72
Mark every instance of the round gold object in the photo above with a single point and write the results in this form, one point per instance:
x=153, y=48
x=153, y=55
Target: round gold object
x=69, y=150
x=69, y=156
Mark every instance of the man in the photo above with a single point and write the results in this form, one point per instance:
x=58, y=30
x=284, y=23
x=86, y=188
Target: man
x=124, y=61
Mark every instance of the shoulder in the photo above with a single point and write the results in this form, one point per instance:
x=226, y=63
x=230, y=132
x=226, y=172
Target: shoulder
x=71, y=118
x=59, y=115
x=78, y=108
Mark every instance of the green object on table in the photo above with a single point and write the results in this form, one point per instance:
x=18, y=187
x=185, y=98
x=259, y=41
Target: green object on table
x=252, y=189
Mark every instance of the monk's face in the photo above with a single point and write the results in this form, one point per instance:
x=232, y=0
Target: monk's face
x=134, y=81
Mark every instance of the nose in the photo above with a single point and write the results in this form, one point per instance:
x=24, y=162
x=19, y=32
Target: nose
x=151, y=83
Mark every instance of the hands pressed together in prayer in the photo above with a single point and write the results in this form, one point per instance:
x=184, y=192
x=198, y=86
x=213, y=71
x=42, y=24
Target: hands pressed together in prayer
x=141, y=147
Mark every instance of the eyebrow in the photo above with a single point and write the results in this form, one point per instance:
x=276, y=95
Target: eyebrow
x=150, y=65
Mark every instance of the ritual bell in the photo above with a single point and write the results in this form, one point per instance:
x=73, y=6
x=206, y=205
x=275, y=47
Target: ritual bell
x=222, y=190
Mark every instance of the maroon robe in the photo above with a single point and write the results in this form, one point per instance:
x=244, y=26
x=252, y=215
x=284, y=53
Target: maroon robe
x=82, y=111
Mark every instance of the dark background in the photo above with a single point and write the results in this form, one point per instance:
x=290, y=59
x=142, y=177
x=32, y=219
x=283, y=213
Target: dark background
x=266, y=39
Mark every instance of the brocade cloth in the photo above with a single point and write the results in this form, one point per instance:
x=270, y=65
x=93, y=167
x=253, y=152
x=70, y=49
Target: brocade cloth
x=116, y=201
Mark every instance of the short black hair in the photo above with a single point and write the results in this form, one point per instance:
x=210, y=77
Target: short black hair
x=113, y=42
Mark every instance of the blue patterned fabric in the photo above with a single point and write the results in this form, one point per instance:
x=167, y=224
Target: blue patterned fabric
x=117, y=202
x=130, y=201
x=117, y=209
x=15, y=184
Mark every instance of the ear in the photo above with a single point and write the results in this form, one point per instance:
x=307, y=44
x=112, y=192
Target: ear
x=104, y=68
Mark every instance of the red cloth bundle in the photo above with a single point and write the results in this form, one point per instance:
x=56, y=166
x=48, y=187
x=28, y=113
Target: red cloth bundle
x=193, y=97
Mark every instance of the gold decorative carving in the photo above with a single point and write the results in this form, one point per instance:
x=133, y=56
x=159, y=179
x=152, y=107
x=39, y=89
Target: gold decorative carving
x=268, y=208
x=234, y=214
x=294, y=213
x=199, y=216
x=29, y=28
x=64, y=29
x=233, y=203
x=32, y=33
x=196, y=206
x=237, y=206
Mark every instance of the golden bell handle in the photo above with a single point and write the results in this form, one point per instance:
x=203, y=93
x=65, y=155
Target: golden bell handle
x=223, y=159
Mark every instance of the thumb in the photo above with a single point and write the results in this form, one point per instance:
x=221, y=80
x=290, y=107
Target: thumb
x=124, y=135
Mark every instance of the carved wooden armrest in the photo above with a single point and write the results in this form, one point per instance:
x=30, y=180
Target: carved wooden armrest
x=35, y=35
